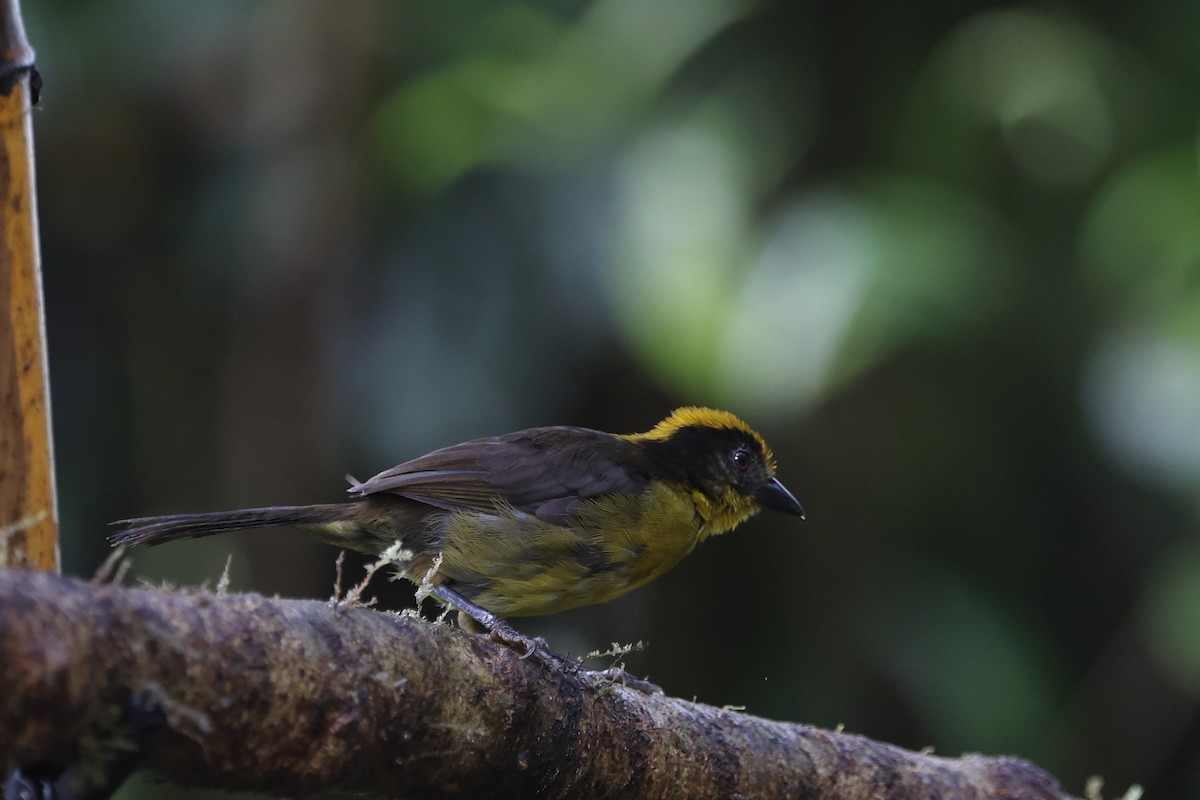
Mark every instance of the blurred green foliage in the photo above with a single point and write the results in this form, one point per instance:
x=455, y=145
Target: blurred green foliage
x=945, y=256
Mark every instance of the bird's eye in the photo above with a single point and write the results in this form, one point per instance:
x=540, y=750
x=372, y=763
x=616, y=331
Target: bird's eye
x=741, y=459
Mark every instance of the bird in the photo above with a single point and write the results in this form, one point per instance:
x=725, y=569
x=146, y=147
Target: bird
x=537, y=521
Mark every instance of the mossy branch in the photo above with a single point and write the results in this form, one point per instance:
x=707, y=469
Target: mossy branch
x=292, y=697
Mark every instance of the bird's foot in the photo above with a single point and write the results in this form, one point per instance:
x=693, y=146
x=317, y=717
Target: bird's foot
x=475, y=619
x=607, y=677
x=534, y=647
x=615, y=675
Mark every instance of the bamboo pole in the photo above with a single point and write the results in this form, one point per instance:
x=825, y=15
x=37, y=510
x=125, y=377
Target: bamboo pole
x=28, y=510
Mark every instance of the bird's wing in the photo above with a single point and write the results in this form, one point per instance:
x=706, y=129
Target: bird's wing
x=541, y=471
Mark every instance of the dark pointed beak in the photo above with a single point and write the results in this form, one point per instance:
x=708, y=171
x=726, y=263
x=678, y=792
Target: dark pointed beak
x=775, y=496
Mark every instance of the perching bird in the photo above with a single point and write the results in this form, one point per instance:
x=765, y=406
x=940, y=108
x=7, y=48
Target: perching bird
x=537, y=521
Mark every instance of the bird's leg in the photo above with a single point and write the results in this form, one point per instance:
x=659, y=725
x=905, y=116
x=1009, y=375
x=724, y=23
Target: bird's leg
x=500, y=630
x=535, y=646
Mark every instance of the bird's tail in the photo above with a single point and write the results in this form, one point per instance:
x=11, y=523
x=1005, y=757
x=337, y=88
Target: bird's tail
x=145, y=531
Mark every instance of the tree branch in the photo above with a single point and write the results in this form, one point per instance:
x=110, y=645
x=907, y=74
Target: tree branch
x=292, y=697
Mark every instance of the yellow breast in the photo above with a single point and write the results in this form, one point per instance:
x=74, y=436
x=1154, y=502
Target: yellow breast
x=514, y=564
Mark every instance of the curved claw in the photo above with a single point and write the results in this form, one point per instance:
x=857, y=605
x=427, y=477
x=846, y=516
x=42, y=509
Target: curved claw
x=533, y=644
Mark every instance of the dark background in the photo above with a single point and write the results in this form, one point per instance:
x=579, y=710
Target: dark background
x=944, y=256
